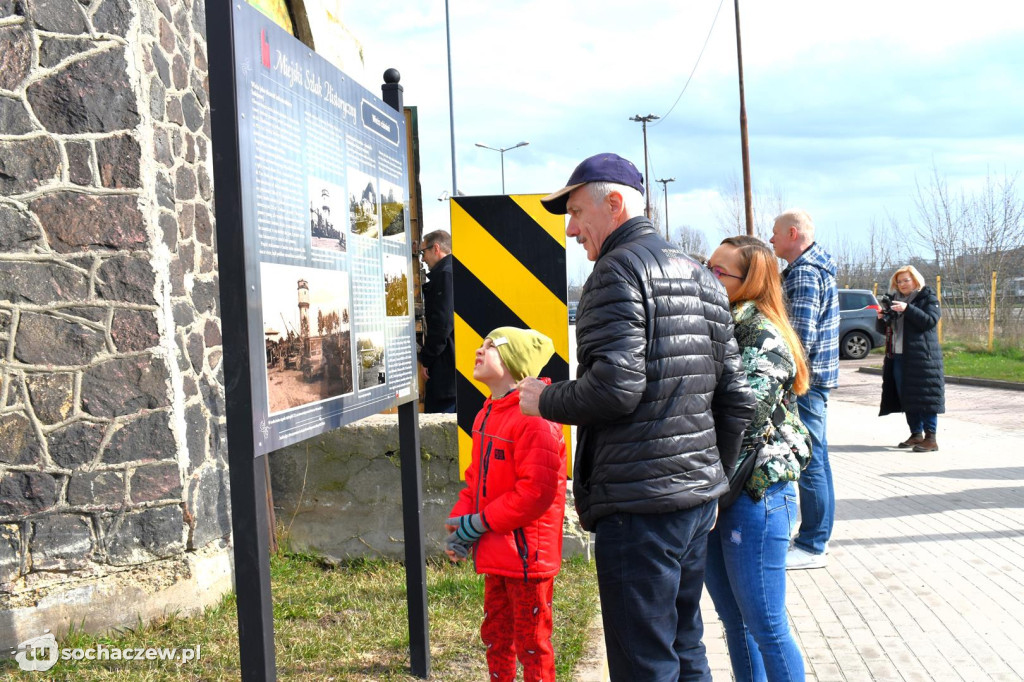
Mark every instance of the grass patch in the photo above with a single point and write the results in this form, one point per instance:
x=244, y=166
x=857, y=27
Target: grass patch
x=346, y=622
x=963, y=360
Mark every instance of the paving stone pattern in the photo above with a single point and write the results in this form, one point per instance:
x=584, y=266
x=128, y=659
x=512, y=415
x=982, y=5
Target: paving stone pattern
x=112, y=451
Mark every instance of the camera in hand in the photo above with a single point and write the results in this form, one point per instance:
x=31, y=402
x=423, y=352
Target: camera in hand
x=888, y=314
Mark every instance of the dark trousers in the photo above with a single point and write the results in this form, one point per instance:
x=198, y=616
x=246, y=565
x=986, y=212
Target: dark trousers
x=437, y=405
x=650, y=572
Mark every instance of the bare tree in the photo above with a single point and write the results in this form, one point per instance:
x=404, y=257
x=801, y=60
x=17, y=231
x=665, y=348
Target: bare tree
x=768, y=203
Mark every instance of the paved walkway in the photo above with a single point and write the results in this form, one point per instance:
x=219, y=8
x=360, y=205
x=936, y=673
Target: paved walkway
x=925, y=579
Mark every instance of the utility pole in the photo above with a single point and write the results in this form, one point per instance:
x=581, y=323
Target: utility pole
x=451, y=100
x=647, y=178
x=743, y=129
x=664, y=185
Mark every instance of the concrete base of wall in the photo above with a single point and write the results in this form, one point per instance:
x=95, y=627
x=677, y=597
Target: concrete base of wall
x=184, y=585
x=340, y=496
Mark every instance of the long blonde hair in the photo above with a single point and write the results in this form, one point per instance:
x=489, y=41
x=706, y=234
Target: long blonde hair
x=763, y=286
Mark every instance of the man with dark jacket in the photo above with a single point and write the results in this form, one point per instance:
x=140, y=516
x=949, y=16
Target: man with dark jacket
x=437, y=357
x=661, y=401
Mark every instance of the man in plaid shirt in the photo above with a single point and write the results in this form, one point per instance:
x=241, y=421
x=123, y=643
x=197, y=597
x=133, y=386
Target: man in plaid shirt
x=813, y=302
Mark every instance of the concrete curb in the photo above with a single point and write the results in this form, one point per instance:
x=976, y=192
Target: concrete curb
x=965, y=381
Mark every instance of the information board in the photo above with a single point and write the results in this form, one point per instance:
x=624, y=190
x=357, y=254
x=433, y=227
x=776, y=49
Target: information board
x=328, y=262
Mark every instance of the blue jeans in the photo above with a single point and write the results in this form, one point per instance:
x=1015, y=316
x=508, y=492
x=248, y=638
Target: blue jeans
x=919, y=422
x=746, y=578
x=817, y=494
x=650, y=573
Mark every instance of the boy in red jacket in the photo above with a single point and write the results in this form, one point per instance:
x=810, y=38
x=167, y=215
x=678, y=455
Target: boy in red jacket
x=510, y=512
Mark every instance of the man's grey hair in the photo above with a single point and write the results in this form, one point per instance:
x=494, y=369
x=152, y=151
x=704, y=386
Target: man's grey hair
x=440, y=238
x=632, y=199
x=800, y=219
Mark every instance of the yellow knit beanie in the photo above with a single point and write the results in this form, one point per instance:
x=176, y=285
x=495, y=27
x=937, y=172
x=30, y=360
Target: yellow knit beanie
x=524, y=351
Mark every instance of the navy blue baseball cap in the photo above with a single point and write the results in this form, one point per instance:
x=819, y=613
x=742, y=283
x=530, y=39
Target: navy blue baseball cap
x=597, y=168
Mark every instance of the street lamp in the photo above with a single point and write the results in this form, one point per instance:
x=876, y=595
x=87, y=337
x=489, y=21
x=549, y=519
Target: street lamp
x=647, y=178
x=664, y=185
x=502, y=152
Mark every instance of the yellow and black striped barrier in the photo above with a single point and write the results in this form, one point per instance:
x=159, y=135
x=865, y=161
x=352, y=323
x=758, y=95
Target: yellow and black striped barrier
x=509, y=270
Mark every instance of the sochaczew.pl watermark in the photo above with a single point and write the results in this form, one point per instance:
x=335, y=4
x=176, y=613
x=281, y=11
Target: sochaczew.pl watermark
x=42, y=653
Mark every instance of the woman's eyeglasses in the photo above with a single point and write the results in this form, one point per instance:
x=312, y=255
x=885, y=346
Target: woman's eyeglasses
x=718, y=272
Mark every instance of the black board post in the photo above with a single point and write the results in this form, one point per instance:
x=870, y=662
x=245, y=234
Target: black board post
x=246, y=471
x=412, y=488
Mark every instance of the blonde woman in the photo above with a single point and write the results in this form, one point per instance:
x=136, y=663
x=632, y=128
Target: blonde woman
x=746, y=565
x=913, y=378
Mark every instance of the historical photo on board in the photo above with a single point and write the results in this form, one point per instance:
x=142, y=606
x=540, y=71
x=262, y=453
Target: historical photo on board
x=326, y=215
x=308, y=335
x=363, y=204
x=396, y=285
x=370, y=358
x=392, y=209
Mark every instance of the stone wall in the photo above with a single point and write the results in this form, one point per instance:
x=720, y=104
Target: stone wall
x=340, y=495
x=112, y=454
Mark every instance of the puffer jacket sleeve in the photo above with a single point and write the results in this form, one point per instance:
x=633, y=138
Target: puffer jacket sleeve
x=612, y=331
x=538, y=465
x=465, y=504
x=925, y=314
x=733, y=403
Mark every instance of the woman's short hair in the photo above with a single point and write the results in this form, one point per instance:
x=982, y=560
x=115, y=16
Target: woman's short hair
x=910, y=270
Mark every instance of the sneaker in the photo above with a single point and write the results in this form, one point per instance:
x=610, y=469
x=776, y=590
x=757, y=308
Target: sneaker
x=797, y=559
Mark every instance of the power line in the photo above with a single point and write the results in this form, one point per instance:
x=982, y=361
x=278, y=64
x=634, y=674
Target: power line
x=710, y=30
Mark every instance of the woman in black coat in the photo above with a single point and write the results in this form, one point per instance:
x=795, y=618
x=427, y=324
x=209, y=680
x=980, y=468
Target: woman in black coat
x=913, y=380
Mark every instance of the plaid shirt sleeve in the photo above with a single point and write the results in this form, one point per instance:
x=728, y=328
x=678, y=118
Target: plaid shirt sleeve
x=815, y=317
x=803, y=289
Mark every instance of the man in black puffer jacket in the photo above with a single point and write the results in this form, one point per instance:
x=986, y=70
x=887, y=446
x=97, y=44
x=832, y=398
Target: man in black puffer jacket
x=662, y=402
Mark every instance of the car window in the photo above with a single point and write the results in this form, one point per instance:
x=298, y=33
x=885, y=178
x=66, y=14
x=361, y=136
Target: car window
x=855, y=300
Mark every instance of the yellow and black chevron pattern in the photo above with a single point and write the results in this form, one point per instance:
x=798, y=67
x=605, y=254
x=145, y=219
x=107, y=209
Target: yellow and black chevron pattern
x=509, y=270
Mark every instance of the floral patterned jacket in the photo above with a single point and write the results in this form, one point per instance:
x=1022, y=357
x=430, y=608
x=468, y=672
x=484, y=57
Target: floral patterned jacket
x=770, y=370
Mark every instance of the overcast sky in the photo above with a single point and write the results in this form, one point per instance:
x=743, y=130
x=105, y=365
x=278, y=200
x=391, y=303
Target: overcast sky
x=848, y=105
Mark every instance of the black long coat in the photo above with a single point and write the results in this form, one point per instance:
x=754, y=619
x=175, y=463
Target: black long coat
x=924, y=383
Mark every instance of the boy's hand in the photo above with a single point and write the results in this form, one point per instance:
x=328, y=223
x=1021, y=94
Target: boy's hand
x=468, y=528
x=455, y=550
x=529, y=396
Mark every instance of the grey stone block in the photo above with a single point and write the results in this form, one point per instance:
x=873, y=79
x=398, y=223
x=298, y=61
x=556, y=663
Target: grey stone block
x=134, y=330
x=62, y=542
x=23, y=493
x=209, y=507
x=124, y=386
x=10, y=554
x=76, y=444
x=16, y=47
x=127, y=278
x=26, y=165
x=74, y=221
x=18, y=232
x=96, y=489
x=14, y=118
x=58, y=16
x=118, y=159
x=53, y=51
x=49, y=340
x=93, y=95
x=41, y=283
x=20, y=443
x=154, y=483
x=113, y=16
x=140, y=537
x=147, y=438
x=52, y=396
x=79, y=161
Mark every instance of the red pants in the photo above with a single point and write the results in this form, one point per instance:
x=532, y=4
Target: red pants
x=517, y=621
